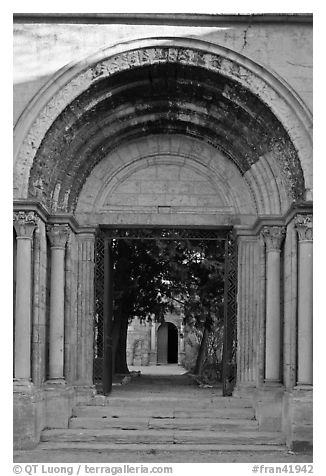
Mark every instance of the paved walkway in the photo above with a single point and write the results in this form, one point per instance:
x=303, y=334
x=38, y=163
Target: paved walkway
x=170, y=369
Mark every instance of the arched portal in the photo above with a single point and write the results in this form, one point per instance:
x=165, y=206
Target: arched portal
x=162, y=133
x=167, y=344
x=172, y=343
x=168, y=86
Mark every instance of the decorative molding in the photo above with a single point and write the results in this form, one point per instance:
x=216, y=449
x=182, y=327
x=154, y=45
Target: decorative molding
x=177, y=19
x=25, y=224
x=35, y=207
x=272, y=220
x=303, y=225
x=166, y=233
x=273, y=237
x=58, y=235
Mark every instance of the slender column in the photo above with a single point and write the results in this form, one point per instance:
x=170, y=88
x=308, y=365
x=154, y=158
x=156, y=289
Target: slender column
x=303, y=225
x=58, y=235
x=273, y=236
x=25, y=224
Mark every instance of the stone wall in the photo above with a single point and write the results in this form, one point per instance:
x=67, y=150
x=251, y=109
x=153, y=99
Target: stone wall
x=138, y=343
x=142, y=342
x=166, y=178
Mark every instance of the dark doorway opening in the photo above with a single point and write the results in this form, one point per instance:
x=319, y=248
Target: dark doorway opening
x=167, y=344
x=172, y=343
x=215, y=247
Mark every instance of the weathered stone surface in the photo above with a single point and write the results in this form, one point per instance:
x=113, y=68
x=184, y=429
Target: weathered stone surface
x=94, y=136
x=59, y=401
x=298, y=419
x=28, y=418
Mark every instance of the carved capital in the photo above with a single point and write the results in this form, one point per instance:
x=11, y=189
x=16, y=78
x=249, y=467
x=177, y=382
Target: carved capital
x=273, y=237
x=25, y=224
x=58, y=235
x=303, y=225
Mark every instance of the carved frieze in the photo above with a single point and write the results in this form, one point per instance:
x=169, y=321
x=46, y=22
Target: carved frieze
x=273, y=237
x=25, y=224
x=148, y=56
x=303, y=225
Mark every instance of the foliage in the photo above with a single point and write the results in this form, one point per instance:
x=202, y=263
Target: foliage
x=152, y=277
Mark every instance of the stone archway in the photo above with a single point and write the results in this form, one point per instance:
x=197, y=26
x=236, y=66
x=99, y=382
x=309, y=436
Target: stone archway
x=173, y=132
x=172, y=343
x=239, y=83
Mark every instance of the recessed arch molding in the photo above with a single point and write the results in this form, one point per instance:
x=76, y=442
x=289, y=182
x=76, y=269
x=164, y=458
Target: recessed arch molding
x=159, y=87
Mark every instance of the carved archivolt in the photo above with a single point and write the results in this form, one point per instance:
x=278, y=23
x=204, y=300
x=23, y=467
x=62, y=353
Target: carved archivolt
x=73, y=81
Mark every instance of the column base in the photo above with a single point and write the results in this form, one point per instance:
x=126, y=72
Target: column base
x=268, y=406
x=23, y=385
x=271, y=383
x=244, y=390
x=54, y=382
x=84, y=394
x=28, y=414
x=298, y=418
x=307, y=387
x=59, y=401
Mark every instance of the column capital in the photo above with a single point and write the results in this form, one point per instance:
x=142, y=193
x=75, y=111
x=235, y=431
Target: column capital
x=25, y=224
x=58, y=235
x=86, y=236
x=303, y=225
x=273, y=237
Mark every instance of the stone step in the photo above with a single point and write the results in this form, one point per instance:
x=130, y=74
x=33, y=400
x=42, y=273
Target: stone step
x=160, y=411
x=168, y=401
x=136, y=448
x=138, y=423
x=151, y=437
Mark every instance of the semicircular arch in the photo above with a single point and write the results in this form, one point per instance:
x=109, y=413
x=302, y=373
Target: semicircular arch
x=35, y=128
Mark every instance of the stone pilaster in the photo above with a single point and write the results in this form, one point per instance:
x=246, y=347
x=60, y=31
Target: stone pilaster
x=248, y=273
x=39, y=305
x=304, y=227
x=261, y=310
x=85, y=308
x=290, y=307
x=58, y=236
x=25, y=224
x=273, y=236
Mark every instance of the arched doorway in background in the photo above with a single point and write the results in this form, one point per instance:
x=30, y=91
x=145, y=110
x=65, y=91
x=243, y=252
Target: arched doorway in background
x=167, y=344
